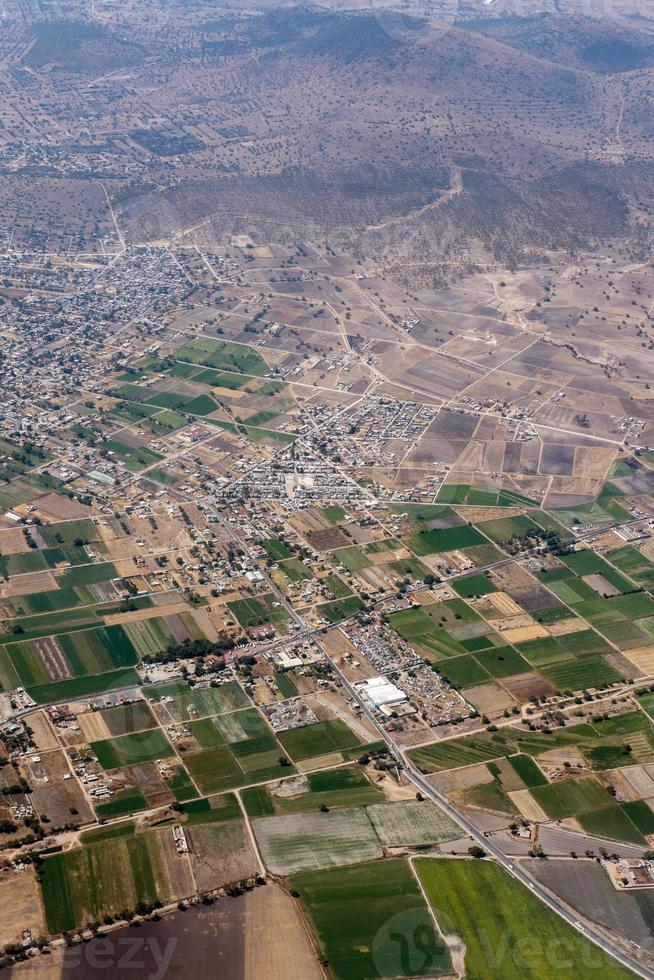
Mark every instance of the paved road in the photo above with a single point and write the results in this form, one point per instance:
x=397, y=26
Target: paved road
x=491, y=847
x=587, y=930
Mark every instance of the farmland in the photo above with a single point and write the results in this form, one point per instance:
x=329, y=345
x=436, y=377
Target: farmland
x=131, y=749
x=258, y=612
x=356, y=913
x=320, y=453
x=297, y=842
x=312, y=740
x=84, y=884
x=411, y=823
x=495, y=915
x=347, y=786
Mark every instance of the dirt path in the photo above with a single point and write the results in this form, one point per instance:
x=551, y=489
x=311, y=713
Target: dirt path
x=456, y=187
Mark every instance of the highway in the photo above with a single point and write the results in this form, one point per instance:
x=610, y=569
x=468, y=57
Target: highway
x=490, y=847
x=585, y=928
x=426, y=789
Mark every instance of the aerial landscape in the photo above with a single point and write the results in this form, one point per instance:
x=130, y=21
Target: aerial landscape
x=327, y=489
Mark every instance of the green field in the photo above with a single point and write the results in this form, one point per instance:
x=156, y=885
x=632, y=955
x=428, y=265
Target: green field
x=130, y=750
x=348, y=786
x=371, y=921
x=127, y=801
x=134, y=459
x=528, y=771
x=214, y=809
x=614, y=822
x=276, y=549
x=192, y=704
x=295, y=570
x=65, y=533
x=473, y=585
x=224, y=355
x=351, y=558
x=261, y=611
x=81, y=885
x=82, y=686
x=333, y=612
x=334, y=513
x=505, y=528
x=570, y=797
x=335, y=585
x=151, y=636
x=463, y=493
x=446, y=539
x=127, y=718
x=92, y=651
x=632, y=563
x=217, y=769
x=124, y=829
x=201, y=405
x=285, y=685
x=320, y=739
x=581, y=674
x=180, y=785
x=455, y=753
x=462, y=671
x=235, y=728
x=502, y=662
x=236, y=748
x=507, y=932
x=444, y=628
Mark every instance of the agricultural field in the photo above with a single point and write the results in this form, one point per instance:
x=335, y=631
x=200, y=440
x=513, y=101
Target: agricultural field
x=362, y=914
x=443, y=628
x=128, y=718
x=511, y=778
x=131, y=750
x=300, y=841
x=84, y=884
x=320, y=739
x=343, y=787
x=410, y=823
x=604, y=743
x=222, y=355
x=428, y=542
x=70, y=655
x=260, y=611
x=333, y=612
x=293, y=838
x=118, y=867
x=584, y=627
x=320, y=451
x=220, y=764
x=506, y=930
x=67, y=690
x=180, y=702
x=461, y=493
